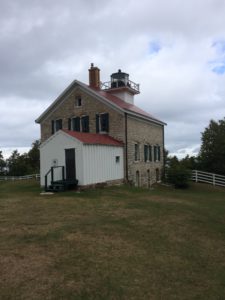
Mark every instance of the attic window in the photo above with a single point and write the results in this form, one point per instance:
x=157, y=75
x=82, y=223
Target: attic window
x=78, y=101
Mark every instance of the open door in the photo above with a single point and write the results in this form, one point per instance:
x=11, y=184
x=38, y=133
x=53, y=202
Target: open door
x=70, y=164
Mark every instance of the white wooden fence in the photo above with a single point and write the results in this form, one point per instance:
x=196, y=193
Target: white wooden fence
x=206, y=177
x=25, y=177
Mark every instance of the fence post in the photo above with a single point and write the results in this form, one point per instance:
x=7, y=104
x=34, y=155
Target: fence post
x=196, y=176
x=214, y=179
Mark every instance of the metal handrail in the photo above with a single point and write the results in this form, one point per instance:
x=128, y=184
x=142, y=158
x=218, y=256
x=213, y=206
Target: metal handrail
x=120, y=83
x=51, y=170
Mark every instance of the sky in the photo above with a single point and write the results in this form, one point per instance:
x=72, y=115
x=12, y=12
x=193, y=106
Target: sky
x=174, y=49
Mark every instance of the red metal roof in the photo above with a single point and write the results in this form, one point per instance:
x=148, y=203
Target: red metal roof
x=124, y=105
x=93, y=138
x=129, y=108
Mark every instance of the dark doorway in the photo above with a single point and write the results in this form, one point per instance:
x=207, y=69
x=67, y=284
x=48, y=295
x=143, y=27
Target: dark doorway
x=70, y=164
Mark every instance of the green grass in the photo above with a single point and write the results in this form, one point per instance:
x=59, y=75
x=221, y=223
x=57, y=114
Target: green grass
x=112, y=243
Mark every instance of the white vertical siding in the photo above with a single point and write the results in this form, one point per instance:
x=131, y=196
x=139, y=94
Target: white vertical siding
x=54, y=149
x=100, y=163
x=94, y=163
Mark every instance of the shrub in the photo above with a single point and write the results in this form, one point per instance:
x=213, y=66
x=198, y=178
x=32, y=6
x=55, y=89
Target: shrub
x=179, y=176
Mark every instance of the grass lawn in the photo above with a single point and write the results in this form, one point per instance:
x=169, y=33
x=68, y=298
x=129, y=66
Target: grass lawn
x=112, y=243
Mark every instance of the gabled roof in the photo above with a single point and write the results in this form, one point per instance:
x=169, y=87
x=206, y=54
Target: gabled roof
x=105, y=97
x=122, y=104
x=93, y=138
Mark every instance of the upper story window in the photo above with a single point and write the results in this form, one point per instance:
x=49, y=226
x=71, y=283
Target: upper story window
x=85, y=123
x=102, y=122
x=79, y=124
x=147, y=153
x=56, y=125
x=76, y=124
x=157, y=153
x=136, y=151
x=78, y=101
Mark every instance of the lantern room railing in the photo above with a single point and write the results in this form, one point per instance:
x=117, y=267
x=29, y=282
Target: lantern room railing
x=120, y=83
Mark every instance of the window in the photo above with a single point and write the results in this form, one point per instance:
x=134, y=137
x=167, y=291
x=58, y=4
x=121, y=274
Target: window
x=147, y=153
x=117, y=159
x=69, y=124
x=102, y=122
x=156, y=153
x=79, y=124
x=76, y=124
x=85, y=123
x=136, y=152
x=56, y=125
x=78, y=101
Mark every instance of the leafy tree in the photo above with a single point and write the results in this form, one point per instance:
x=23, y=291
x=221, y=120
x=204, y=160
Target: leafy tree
x=178, y=171
x=179, y=176
x=172, y=161
x=190, y=162
x=2, y=164
x=34, y=157
x=212, y=152
x=18, y=164
x=24, y=164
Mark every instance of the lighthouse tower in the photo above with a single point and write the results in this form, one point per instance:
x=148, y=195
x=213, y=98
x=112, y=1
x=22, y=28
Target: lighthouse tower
x=122, y=87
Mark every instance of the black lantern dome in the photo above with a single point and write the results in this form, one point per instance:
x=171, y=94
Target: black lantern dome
x=120, y=82
x=119, y=79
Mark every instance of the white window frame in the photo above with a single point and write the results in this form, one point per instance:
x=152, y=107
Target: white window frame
x=157, y=152
x=149, y=153
x=137, y=152
x=78, y=101
x=100, y=122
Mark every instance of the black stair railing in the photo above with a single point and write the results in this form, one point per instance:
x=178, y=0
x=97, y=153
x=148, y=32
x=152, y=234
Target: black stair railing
x=51, y=171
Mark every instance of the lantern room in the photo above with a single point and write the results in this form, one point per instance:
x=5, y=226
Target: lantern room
x=121, y=86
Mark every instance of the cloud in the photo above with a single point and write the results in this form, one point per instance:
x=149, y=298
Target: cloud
x=174, y=49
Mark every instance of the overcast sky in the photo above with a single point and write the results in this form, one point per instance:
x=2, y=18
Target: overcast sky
x=175, y=49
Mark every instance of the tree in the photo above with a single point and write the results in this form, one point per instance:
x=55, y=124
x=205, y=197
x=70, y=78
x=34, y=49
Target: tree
x=18, y=164
x=2, y=164
x=177, y=171
x=212, y=152
x=24, y=164
x=179, y=176
x=190, y=162
x=34, y=157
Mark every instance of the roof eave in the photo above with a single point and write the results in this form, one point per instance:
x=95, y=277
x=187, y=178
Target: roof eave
x=149, y=119
x=41, y=117
x=92, y=92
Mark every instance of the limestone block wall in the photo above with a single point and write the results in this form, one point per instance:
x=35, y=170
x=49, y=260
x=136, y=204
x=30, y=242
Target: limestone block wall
x=90, y=106
x=140, y=172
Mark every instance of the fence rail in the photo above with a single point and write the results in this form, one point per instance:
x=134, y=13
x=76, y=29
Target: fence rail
x=25, y=177
x=206, y=177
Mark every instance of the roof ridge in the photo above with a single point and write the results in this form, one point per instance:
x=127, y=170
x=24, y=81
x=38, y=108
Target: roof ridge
x=113, y=100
